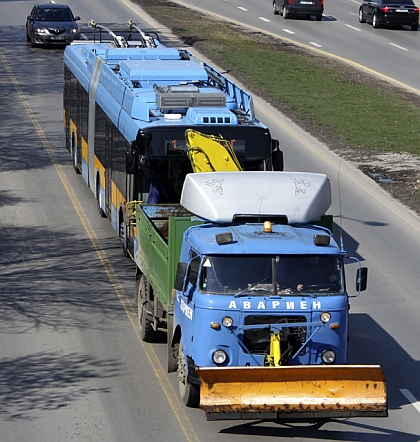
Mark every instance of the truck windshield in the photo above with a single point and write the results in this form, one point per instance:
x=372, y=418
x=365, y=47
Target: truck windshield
x=289, y=275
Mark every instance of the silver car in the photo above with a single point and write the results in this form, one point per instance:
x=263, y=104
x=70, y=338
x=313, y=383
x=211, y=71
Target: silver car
x=51, y=24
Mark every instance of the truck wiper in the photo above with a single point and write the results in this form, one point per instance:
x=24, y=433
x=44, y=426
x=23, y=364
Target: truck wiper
x=256, y=288
x=261, y=288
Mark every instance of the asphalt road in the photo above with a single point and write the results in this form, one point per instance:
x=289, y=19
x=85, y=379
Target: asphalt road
x=72, y=366
x=392, y=53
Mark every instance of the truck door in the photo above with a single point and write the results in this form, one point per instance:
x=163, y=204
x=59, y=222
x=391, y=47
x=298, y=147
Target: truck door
x=186, y=306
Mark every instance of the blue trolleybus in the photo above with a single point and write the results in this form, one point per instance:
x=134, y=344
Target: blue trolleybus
x=128, y=101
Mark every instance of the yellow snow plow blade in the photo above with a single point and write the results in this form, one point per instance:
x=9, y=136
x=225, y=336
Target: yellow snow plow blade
x=208, y=153
x=312, y=391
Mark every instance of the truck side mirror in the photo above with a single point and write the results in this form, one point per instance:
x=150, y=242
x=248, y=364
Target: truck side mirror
x=361, y=279
x=181, y=276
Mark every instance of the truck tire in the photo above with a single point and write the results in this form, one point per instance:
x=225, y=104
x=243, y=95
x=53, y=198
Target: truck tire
x=171, y=350
x=189, y=393
x=147, y=334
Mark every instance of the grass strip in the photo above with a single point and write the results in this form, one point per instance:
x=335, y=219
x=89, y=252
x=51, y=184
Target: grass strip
x=335, y=102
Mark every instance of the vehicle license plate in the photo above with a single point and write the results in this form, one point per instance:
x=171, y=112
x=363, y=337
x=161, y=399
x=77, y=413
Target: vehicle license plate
x=306, y=3
x=401, y=10
x=55, y=37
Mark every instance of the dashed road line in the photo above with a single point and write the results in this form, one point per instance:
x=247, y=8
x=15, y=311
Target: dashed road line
x=399, y=47
x=352, y=27
x=414, y=402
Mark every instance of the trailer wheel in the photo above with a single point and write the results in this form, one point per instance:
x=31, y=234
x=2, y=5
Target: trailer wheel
x=190, y=393
x=147, y=333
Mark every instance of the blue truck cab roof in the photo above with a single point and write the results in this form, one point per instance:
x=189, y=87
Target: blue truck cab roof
x=238, y=203
x=251, y=239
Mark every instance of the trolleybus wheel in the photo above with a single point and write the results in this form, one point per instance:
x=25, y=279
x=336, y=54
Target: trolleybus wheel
x=74, y=159
x=99, y=199
x=121, y=234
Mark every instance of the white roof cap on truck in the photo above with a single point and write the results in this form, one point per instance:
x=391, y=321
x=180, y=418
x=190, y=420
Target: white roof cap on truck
x=220, y=196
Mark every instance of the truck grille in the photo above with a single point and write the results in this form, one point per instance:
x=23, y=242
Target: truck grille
x=258, y=340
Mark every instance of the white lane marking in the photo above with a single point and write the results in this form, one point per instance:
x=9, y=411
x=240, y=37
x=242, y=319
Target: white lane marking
x=352, y=27
x=315, y=44
x=242, y=9
x=288, y=31
x=264, y=19
x=411, y=398
x=399, y=47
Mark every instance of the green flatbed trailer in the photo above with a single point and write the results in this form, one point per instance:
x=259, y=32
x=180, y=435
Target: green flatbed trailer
x=159, y=232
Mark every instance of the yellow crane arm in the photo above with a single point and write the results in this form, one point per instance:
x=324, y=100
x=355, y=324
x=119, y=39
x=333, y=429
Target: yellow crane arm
x=209, y=153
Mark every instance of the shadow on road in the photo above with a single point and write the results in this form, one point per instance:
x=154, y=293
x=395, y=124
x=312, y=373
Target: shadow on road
x=49, y=381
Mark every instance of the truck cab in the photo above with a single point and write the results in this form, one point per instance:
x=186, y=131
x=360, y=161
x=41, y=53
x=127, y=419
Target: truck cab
x=247, y=281
x=263, y=265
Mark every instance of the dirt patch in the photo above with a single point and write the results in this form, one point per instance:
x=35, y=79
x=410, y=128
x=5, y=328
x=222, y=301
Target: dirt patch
x=397, y=173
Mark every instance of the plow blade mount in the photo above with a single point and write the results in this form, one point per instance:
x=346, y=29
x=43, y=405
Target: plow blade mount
x=293, y=392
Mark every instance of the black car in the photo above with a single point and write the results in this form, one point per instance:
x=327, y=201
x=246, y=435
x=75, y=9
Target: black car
x=51, y=24
x=286, y=8
x=389, y=12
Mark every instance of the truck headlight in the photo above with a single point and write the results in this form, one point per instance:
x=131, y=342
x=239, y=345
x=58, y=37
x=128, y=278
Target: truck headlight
x=219, y=357
x=328, y=356
x=325, y=317
x=227, y=321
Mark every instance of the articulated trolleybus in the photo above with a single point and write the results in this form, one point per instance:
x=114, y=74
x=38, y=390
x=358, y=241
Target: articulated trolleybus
x=128, y=101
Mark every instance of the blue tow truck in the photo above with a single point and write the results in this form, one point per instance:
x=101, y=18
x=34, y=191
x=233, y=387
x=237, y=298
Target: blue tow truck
x=247, y=282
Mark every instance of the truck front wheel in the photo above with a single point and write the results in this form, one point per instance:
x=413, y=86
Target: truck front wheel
x=147, y=333
x=190, y=393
